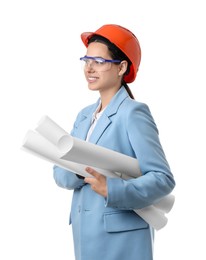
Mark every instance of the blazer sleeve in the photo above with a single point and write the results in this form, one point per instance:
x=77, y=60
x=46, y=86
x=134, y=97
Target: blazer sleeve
x=157, y=180
x=66, y=179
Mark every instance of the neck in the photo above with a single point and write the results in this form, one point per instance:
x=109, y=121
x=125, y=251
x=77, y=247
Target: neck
x=106, y=97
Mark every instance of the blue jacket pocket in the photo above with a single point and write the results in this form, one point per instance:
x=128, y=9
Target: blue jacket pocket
x=123, y=221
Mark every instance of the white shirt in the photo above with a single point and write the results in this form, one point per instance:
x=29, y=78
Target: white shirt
x=95, y=118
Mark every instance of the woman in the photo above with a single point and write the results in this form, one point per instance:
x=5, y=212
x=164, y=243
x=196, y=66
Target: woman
x=103, y=221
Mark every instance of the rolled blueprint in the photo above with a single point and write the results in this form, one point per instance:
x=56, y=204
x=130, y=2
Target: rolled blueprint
x=54, y=144
x=165, y=204
x=41, y=147
x=80, y=151
x=50, y=130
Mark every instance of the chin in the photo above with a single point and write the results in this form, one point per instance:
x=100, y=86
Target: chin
x=93, y=87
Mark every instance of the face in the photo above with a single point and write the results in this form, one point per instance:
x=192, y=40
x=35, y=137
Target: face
x=103, y=81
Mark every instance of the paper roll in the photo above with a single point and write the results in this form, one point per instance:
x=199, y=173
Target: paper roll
x=153, y=216
x=80, y=151
x=41, y=147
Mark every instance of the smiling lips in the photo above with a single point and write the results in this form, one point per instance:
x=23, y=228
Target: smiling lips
x=91, y=79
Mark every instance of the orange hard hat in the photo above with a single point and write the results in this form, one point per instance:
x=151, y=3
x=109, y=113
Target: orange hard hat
x=125, y=40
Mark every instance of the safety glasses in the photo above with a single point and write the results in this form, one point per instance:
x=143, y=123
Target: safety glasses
x=97, y=63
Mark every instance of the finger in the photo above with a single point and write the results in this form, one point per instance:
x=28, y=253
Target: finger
x=89, y=180
x=92, y=172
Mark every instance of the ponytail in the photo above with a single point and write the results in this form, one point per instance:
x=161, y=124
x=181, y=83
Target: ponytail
x=128, y=90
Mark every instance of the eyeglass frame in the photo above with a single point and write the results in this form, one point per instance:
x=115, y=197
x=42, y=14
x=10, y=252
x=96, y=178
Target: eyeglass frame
x=100, y=60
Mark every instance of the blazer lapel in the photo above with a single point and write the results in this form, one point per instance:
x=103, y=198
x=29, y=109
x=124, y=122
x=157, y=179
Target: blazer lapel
x=105, y=120
x=82, y=127
x=99, y=129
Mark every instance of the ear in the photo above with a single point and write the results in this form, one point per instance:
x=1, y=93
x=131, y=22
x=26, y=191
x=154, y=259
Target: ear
x=123, y=67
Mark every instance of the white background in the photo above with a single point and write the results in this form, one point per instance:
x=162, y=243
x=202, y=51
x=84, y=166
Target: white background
x=40, y=75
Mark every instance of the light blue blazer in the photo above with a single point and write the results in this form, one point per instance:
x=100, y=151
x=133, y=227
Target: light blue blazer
x=109, y=229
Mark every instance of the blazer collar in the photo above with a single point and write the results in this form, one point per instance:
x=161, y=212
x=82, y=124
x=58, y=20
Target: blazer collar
x=116, y=101
x=104, y=121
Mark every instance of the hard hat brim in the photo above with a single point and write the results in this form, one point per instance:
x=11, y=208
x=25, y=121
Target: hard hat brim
x=86, y=36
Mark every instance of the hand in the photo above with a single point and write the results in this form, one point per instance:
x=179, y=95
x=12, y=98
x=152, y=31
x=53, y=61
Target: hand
x=98, y=182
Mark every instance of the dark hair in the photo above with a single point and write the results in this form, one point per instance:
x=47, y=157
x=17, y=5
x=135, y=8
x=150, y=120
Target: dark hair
x=116, y=54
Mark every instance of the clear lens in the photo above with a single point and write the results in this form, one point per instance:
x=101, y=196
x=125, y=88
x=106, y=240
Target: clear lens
x=96, y=64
